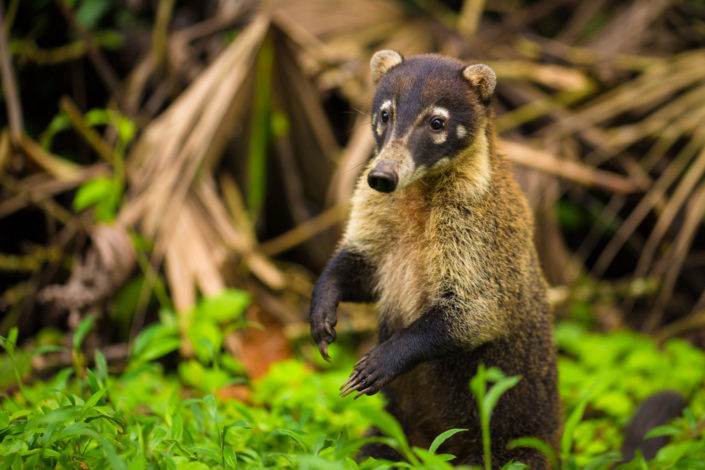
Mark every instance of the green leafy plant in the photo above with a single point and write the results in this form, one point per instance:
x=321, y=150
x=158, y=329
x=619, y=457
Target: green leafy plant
x=143, y=416
x=487, y=400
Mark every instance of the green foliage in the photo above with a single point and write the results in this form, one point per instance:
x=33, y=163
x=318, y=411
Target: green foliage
x=603, y=378
x=486, y=401
x=260, y=130
x=102, y=193
x=214, y=317
x=146, y=417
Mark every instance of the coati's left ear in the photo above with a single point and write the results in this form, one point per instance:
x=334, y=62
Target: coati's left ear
x=481, y=77
x=382, y=61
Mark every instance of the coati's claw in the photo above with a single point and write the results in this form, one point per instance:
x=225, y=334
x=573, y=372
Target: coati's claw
x=323, y=331
x=369, y=375
x=323, y=348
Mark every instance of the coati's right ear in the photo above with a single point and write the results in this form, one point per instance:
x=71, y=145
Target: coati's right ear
x=382, y=61
x=481, y=77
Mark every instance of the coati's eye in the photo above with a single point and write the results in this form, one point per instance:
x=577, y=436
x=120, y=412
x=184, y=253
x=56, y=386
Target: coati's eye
x=384, y=116
x=437, y=124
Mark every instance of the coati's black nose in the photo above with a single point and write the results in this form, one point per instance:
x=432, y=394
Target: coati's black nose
x=383, y=177
x=382, y=181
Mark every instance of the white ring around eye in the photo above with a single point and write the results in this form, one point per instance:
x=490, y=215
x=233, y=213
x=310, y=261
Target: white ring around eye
x=440, y=112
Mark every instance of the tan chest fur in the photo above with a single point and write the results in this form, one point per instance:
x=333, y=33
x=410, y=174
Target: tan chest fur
x=393, y=231
x=423, y=245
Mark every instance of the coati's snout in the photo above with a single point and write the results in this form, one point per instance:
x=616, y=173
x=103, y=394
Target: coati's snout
x=383, y=177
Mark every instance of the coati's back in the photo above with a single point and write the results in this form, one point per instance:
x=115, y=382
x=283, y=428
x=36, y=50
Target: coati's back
x=444, y=238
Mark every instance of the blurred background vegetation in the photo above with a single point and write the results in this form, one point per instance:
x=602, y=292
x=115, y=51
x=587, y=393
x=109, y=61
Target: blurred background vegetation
x=193, y=161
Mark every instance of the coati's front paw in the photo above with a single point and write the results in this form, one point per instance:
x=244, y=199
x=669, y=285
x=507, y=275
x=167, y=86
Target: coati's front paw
x=371, y=373
x=323, y=321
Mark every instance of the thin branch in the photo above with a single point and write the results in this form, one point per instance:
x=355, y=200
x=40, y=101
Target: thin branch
x=14, y=107
x=305, y=231
x=105, y=71
x=89, y=135
x=573, y=171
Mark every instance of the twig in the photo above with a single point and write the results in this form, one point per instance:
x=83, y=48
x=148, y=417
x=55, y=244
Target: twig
x=58, y=167
x=154, y=60
x=469, y=17
x=43, y=363
x=655, y=194
x=306, y=230
x=47, y=188
x=89, y=135
x=48, y=205
x=676, y=256
x=689, y=323
x=673, y=208
x=574, y=171
x=14, y=107
x=105, y=71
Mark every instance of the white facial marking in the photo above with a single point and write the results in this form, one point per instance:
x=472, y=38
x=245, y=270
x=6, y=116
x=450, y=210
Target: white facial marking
x=437, y=111
x=460, y=131
x=387, y=105
x=440, y=137
x=440, y=163
x=443, y=113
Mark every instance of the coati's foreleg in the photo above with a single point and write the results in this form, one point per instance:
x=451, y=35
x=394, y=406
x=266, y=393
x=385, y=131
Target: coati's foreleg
x=348, y=277
x=428, y=337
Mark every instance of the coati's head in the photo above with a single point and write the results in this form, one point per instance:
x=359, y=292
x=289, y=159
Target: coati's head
x=428, y=110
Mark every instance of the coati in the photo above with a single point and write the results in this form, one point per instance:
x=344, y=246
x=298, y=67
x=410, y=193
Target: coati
x=441, y=237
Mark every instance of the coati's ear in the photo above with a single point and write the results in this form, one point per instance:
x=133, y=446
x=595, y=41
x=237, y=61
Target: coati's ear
x=382, y=61
x=481, y=77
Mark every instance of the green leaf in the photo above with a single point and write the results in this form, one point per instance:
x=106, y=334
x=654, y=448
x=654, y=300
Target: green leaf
x=226, y=306
x=11, y=341
x=318, y=444
x=155, y=341
x=93, y=192
x=230, y=457
x=390, y=427
x=516, y=466
x=497, y=390
x=211, y=406
x=432, y=460
x=159, y=349
x=665, y=430
x=81, y=331
x=90, y=12
x=93, y=382
x=538, y=444
x=690, y=464
x=101, y=365
x=441, y=438
x=605, y=461
x=49, y=348
x=59, y=123
x=95, y=398
x=293, y=435
x=260, y=131
x=575, y=417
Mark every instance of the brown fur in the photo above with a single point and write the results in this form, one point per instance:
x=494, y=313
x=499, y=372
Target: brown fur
x=450, y=260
